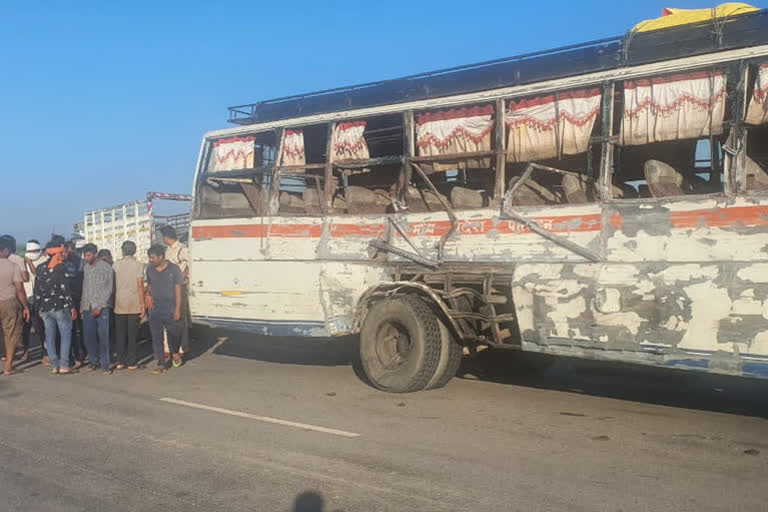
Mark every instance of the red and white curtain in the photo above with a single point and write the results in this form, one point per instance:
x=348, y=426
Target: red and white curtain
x=677, y=107
x=757, y=112
x=455, y=131
x=293, y=148
x=551, y=126
x=232, y=153
x=349, y=143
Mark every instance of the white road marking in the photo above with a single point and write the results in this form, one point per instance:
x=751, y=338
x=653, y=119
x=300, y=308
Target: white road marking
x=265, y=419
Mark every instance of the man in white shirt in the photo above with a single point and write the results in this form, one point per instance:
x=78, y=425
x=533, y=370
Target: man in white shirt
x=33, y=256
x=178, y=254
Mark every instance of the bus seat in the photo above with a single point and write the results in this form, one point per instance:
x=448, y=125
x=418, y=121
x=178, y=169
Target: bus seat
x=312, y=203
x=462, y=197
x=663, y=180
x=421, y=200
x=757, y=178
x=578, y=189
x=624, y=191
x=363, y=200
x=532, y=193
x=291, y=203
x=339, y=205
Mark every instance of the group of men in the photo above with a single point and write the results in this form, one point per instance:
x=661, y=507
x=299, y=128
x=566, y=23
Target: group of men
x=77, y=304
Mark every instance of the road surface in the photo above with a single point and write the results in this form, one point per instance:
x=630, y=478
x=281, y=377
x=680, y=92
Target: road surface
x=265, y=424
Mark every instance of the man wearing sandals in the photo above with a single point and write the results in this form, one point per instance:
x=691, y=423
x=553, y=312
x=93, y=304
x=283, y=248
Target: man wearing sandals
x=129, y=304
x=164, y=281
x=57, y=309
x=14, y=309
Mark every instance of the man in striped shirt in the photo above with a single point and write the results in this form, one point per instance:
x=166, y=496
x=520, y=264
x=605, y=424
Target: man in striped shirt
x=96, y=307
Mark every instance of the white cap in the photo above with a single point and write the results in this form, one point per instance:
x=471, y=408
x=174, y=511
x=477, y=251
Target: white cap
x=32, y=247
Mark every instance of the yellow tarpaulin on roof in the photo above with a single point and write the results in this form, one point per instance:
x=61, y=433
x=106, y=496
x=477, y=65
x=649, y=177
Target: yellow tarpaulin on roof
x=673, y=17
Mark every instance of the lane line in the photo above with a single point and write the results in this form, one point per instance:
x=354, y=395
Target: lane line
x=265, y=419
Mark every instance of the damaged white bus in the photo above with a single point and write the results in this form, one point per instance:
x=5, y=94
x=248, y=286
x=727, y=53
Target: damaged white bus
x=606, y=200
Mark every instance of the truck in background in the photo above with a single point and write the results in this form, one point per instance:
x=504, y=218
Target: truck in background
x=109, y=227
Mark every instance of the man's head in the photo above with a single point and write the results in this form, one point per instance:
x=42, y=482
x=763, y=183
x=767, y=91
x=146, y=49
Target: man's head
x=169, y=235
x=32, y=250
x=10, y=241
x=7, y=246
x=156, y=255
x=69, y=247
x=106, y=255
x=90, y=252
x=129, y=248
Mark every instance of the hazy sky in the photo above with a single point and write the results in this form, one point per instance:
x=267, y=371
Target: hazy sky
x=101, y=102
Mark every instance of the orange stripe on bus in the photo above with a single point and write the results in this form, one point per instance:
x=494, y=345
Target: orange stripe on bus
x=721, y=217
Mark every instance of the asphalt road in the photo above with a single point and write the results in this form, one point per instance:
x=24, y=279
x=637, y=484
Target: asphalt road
x=260, y=424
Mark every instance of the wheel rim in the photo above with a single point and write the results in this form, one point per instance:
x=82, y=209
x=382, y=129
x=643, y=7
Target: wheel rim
x=393, y=345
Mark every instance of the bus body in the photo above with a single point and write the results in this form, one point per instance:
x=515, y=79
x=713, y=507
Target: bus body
x=615, y=211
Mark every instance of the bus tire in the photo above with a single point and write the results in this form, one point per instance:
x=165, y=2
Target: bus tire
x=400, y=344
x=450, y=359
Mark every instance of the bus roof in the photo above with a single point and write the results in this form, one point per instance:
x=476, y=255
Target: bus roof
x=632, y=49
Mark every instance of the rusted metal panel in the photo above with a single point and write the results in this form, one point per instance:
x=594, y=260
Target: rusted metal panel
x=680, y=283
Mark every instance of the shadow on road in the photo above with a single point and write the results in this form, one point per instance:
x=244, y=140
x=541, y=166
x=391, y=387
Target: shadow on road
x=309, y=501
x=660, y=386
x=285, y=350
x=637, y=383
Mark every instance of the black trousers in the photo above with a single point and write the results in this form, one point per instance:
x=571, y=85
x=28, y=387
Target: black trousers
x=126, y=334
x=26, y=333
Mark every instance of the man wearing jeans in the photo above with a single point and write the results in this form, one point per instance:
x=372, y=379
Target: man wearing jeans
x=164, y=282
x=98, y=281
x=54, y=301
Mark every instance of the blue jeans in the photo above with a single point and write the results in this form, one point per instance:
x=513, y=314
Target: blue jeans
x=96, y=332
x=62, y=320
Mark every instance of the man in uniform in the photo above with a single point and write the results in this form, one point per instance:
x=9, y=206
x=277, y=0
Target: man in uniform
x=178, y=254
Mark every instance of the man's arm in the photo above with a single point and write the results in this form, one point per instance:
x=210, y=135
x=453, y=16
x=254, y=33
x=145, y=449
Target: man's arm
x=30, y=267
x=36, y=288
x=19, y=262
x=67, y=291
x=140, y=287
x=184, y=261
x=104, y=280
x=21, y=295
x=177, y=293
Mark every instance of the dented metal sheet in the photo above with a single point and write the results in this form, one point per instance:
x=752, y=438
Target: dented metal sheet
x=680, y=282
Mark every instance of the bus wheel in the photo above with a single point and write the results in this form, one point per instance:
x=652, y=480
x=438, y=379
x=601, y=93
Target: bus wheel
x=450, y=358
x=400, y=344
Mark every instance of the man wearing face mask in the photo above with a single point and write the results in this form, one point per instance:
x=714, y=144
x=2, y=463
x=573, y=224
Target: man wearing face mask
x=33, y=256
x=57, y=310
